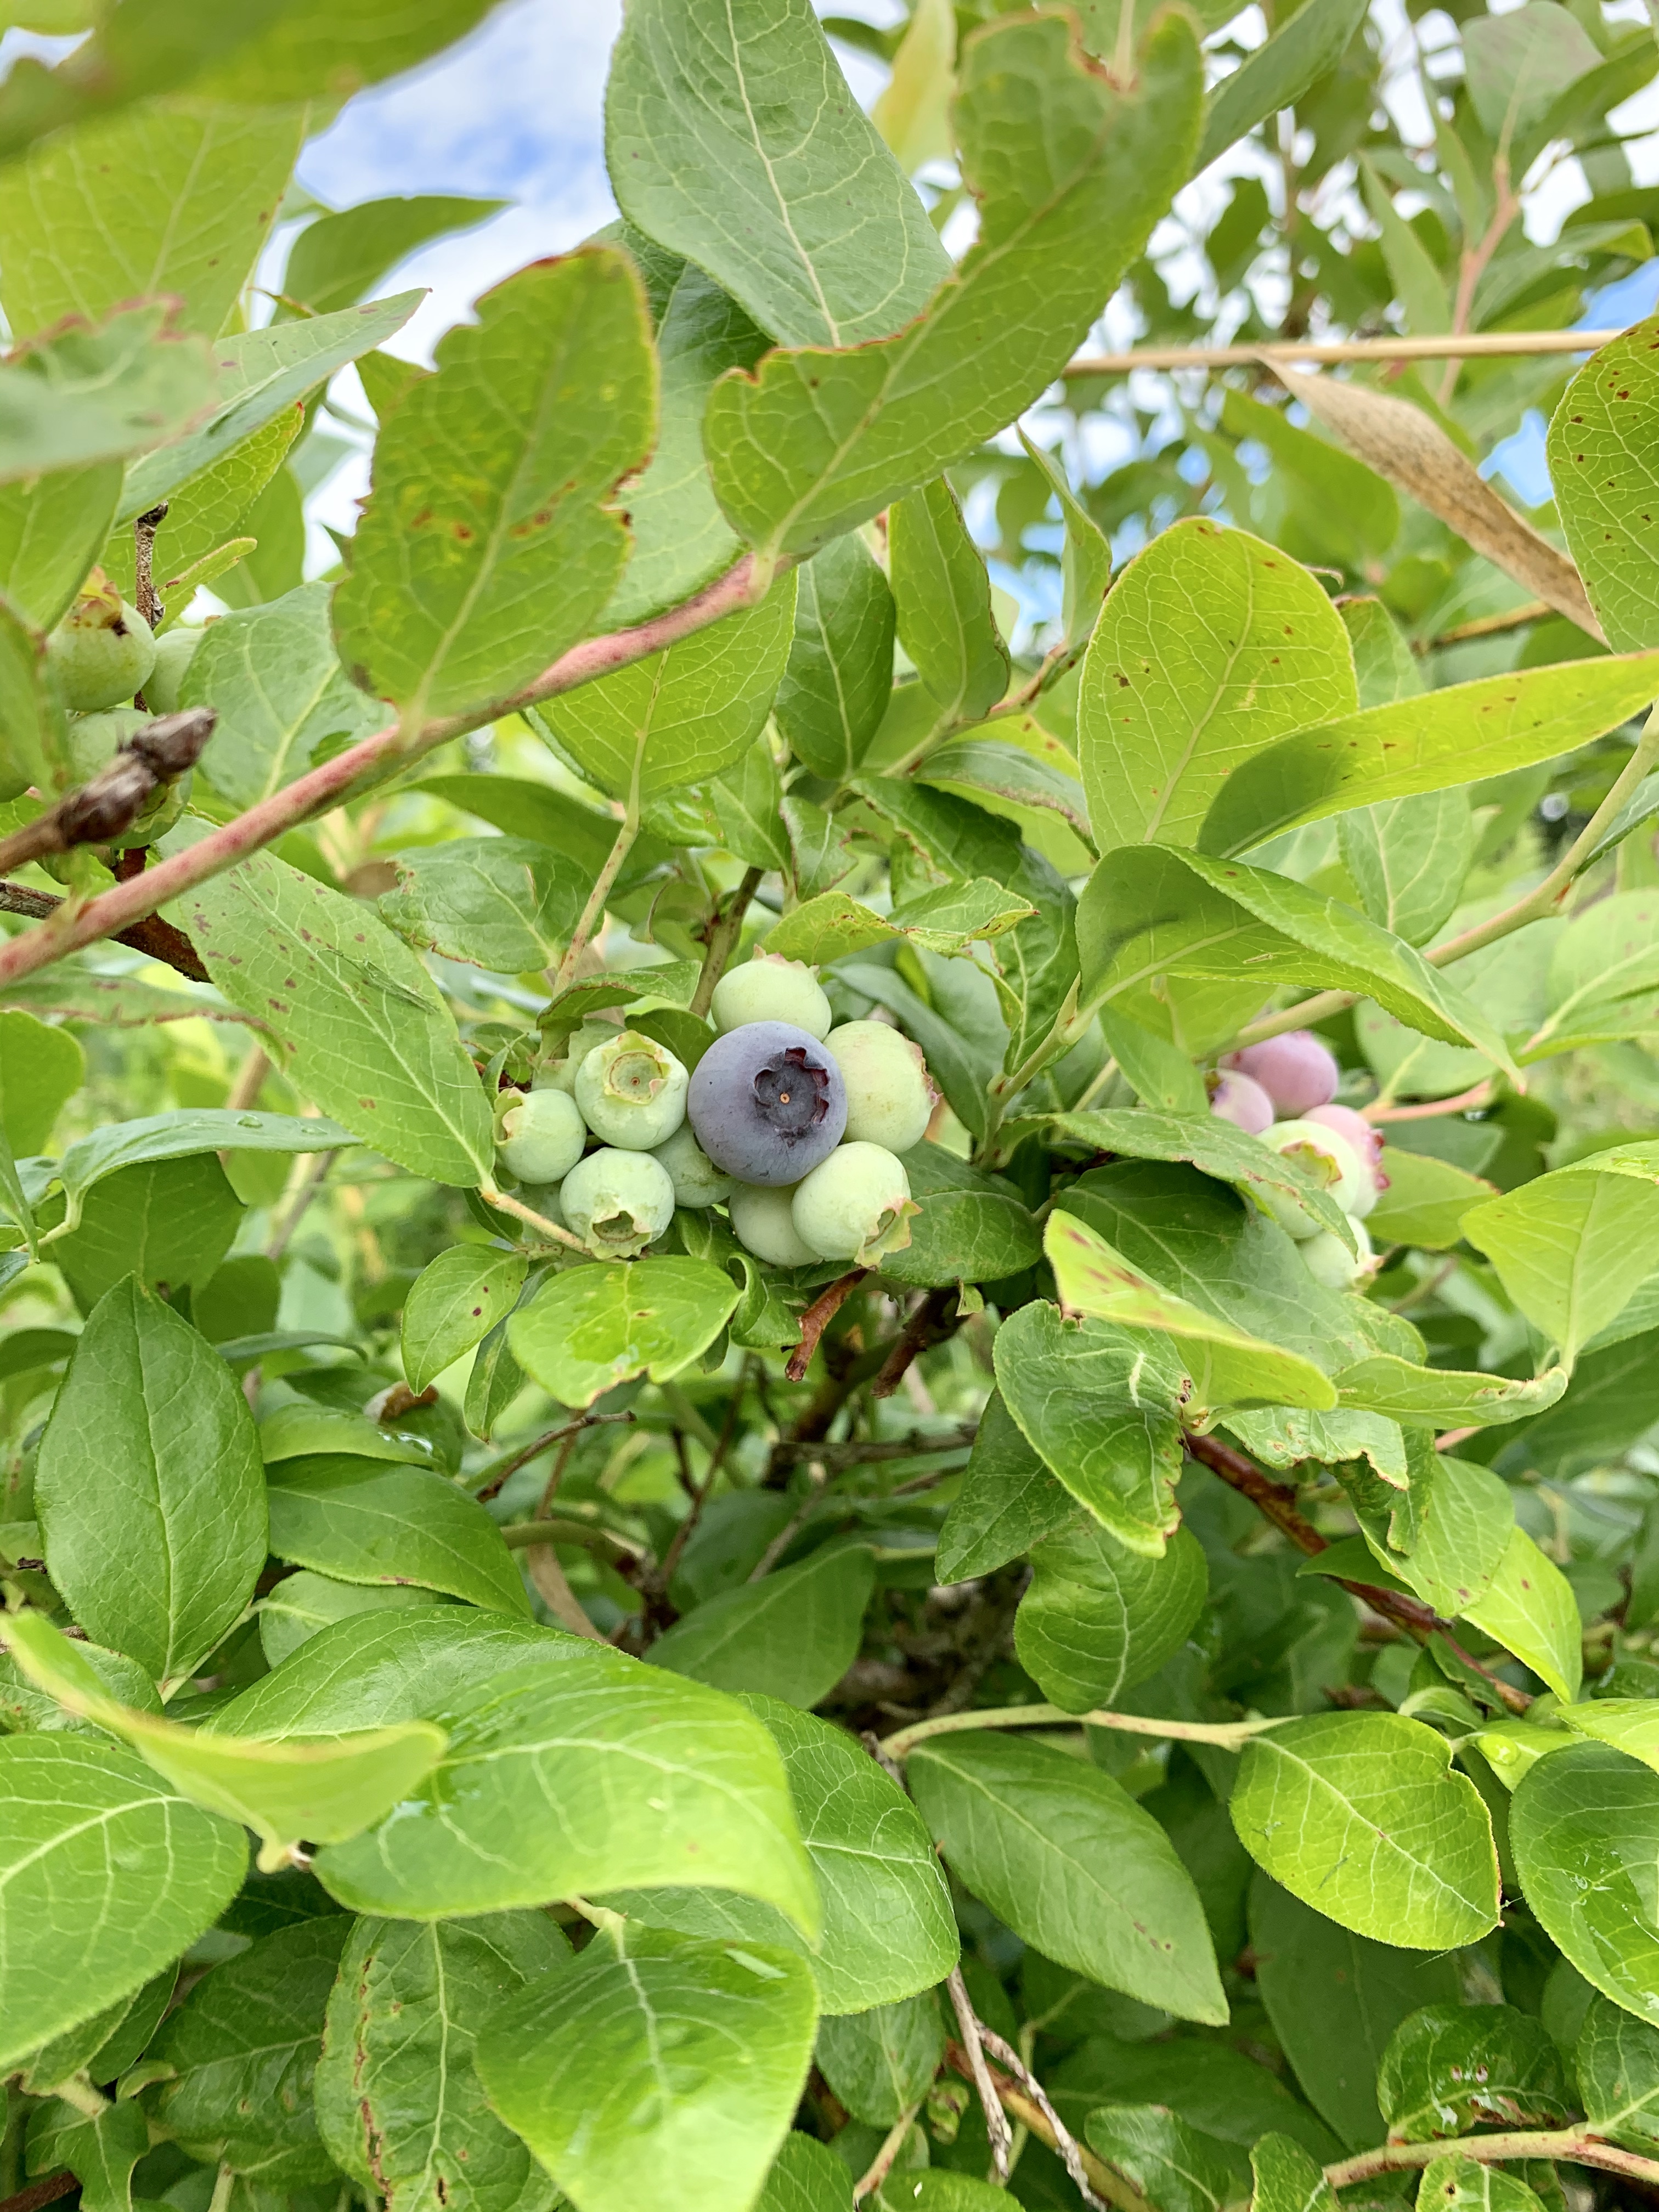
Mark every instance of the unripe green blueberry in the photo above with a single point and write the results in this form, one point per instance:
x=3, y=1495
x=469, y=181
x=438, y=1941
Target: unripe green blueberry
x=855, y=1205
x=103, y=649
x=1330, y=1162
x=1330, y=1262
x=632, y=1091
x=890, y=1099
x=174, y=650
x=763, y=1223
x=697, y=1182
x=539, y=1136
x=93, y=742
x=561, y=1074
x=618, y=1202
x=771, y=989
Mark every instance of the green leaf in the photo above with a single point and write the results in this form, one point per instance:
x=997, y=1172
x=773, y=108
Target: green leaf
x=498, y=903
x=1011, y=778
x=1603, y=975
x=1102, y=1416
x=681, y=715
x=1451, y=2068
x=1335, y=502
x=1531, y=1610
x=1489, y=727
x=806, y=2176
x=1424, y=1201
x=488, y=546
x=1008, y=1501
x=454, y=1302
x=942, y=598
x=175, y=199
x=1440, y=1397
x=375, y=1669
x=1070, y=175
x=1225, y=1364
x=186, y=1134
x=300, y=1428
x=839, y=675
x=587, y=1330
x=365, y=1522
x=198, y=538
x=889, y=1928
x=1062, y=1855
x=1616, y=2064
x=100, y=2152
x=244, y=2046
x=1085, y=561
x=882, y=2062
x=1211, y=646
x=110, y=2039
x=1287, y=2178
x=51, y=530
x=368, y=1034
x=106, y=1875
x=1518, y=69
x=1409, y=858
x=1627, y=1723
x=579, y=2066
x=76, y=395
x=1570, y=1247
x=973, y=1227
x=260, y=373
x=1215, y=1146
x=1458, y=2182
x=946, y=922
x=148, y=1489
x=732, y=138
x=1462, y=1534
x=41, y=1069
x=304, y=1604
x=1098, y=1618
x=1147, y=912
x=167, y=1222
x=33, y=745
x=793, y=1634
x=338, y=258
x=1275, y=74
x=1333, y=1999
x=1601, y=463
x=1360, y=1815
x=658, y=1779
x=286, y=1792
x=682, y=541
x=399, y=2105
x=281, y=696
x=1585, y=1829
x=1171, y=2164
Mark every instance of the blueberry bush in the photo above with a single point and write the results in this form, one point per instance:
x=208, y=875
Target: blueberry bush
x=829, y=1209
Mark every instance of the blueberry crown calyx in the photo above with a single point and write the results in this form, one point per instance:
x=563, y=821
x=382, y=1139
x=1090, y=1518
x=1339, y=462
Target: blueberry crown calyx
x=792, y=1092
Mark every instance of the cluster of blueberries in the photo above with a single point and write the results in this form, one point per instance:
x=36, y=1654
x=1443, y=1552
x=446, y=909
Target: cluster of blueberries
x=796, y=1126
x=1296, y=1077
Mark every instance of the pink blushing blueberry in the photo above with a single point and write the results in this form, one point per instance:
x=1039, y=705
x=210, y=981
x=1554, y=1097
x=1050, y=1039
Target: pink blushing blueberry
x=1296, y=1071
x=1366, y=1137
x=1241, y=1100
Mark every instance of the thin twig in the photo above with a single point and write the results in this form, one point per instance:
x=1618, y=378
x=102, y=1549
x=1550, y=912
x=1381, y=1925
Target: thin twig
x=1578, y=2146
x=505, y=1203
x=881, y=2165
x=1029, y=2114
x=724, y=932
x=934, y=1320
x=41, y=2192
x=1465, y=1102
x=333, y=781
x=1473, y=261
x=996, y=2120
x=152, y=936
x=1466, y=348
x=282, y=1236
x=571, y=1429
x=1225, y=1735
x=112, y=801
x=818, y=1317
x=542, y=1563
x=700, y=1497
x=1486, y=626
x=1065, y=2143
x=790, y=1528
x=524, y=1535
x=593, y=913
x=871, y=1452
x=249, y=1081
x=144, y=552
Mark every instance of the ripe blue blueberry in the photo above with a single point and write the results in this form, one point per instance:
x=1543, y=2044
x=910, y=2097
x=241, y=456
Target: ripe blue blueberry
x=767, y=1103
x=617, y=1202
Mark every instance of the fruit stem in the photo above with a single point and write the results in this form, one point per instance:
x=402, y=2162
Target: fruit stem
x=725, y=928
x=593, y=912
